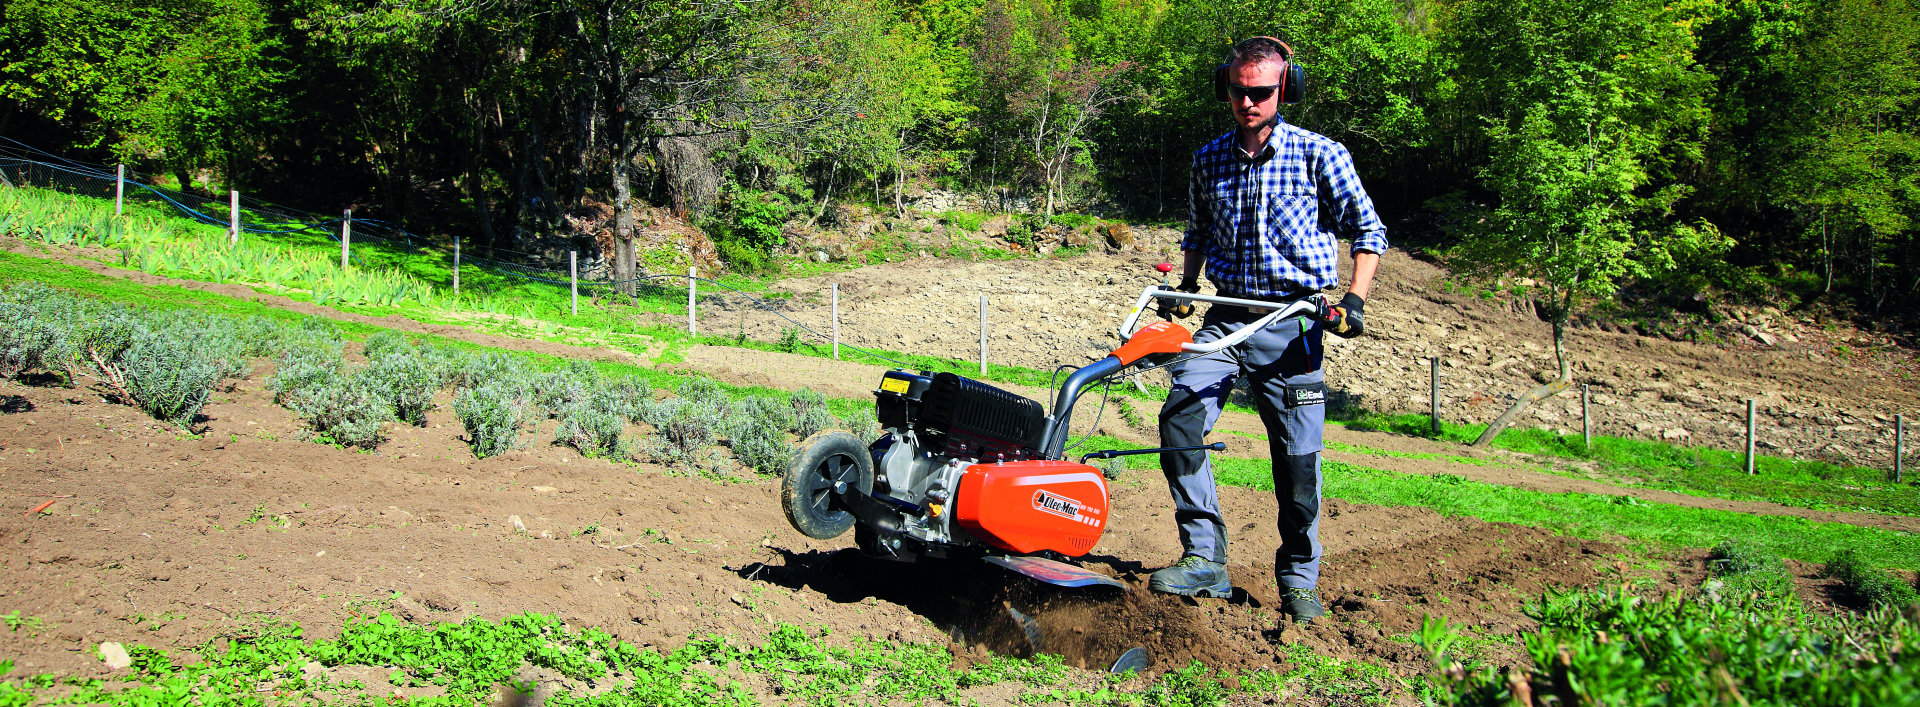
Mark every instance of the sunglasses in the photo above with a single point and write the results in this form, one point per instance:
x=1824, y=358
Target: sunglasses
x=1257, y=94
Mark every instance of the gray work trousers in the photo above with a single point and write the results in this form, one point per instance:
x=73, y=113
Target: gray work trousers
x=1287, y=384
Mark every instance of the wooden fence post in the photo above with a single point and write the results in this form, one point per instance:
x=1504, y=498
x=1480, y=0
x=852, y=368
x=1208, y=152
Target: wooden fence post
x=1586, y=415
x=119, y=188
x=233, y=218
x=346, y=235
x=1751, y=418
x=1433, y=375
x=456, y=266
x=836, y=321
x=692, y=285
x=983, y=336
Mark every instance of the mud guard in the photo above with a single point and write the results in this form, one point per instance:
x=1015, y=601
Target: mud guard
x=1058, y=574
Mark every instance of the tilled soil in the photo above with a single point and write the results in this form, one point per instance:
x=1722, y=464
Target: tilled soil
x=165, y=540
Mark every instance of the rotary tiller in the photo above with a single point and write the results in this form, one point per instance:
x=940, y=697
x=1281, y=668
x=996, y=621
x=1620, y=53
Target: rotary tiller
x=964, y=468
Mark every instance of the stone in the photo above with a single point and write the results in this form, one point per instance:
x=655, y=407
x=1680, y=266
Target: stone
x=1119, y=235
x=1675, y=433
x=518, y=526
x=996, y=227
x=820, y=256
x=1764, y=338
x=115, y=656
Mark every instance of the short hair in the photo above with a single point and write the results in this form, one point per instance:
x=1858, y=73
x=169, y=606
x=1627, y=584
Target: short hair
x=1254, y=50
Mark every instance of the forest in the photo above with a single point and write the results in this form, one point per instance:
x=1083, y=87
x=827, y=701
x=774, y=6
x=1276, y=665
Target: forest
x=1762, y=149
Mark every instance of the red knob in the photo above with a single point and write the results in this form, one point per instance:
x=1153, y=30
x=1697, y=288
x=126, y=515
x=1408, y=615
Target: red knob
x=1164, y=267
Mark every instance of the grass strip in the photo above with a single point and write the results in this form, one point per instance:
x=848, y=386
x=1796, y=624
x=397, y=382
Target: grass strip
x=1593, y=516
x=1697, y=471
x=267, y=662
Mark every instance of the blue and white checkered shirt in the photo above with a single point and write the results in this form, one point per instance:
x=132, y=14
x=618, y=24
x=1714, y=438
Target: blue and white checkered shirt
x=1260, y=220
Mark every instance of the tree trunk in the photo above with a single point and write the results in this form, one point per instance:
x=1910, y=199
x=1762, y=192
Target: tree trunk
x=623, y=265
x=1563, y=309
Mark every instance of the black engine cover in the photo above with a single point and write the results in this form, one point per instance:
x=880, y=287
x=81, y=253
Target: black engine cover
x=967, y=419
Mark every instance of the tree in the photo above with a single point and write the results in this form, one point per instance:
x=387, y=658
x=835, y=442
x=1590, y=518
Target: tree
x=1584, y=101
x=1043, y=91
x=1858, y=150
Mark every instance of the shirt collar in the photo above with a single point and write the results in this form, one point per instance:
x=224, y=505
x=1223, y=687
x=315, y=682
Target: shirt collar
x=1265, y=152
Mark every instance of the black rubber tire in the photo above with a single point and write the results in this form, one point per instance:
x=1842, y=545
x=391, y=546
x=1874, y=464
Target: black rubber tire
x=806, y=492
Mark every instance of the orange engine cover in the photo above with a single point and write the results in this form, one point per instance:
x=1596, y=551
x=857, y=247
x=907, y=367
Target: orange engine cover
x=1029, y=506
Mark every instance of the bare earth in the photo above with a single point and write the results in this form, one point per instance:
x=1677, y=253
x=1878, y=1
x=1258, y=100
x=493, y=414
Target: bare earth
x=160, y=539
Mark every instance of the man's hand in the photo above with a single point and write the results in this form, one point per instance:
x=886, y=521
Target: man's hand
x=1185, y=308
x=1349, y=324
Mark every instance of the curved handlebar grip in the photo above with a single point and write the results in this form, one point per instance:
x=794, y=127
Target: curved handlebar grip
x=1314, y=306
x=1164, y=267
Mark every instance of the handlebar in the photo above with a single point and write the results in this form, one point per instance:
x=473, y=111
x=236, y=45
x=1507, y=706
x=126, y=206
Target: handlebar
x=1314, y=306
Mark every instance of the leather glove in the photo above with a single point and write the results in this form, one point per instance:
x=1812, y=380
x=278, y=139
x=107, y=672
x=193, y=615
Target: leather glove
x=1347, y=323
x=1184, y=309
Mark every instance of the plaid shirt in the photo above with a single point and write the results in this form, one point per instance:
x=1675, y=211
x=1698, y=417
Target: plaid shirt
x=1259, y=220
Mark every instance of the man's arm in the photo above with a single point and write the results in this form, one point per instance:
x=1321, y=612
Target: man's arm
x=1365, y=264
x=1190, y=263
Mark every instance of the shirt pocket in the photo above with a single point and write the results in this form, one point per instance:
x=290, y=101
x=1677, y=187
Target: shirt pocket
x=1292, y=207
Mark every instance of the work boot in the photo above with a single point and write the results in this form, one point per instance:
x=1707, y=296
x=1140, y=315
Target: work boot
x=1301, y=605
x=1193, y=576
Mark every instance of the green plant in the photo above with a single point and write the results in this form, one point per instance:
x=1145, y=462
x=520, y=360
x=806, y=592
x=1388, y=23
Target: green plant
x=404, y=380
x=810, y=413
x=789, y=340
x=685, y=428
x=593, y=429
x=168, y=378
x=491, y=417
x=1867, y=586
x=345, y=409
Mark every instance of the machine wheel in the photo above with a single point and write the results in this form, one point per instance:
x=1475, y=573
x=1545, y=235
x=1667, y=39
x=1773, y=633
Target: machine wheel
x=806, y=493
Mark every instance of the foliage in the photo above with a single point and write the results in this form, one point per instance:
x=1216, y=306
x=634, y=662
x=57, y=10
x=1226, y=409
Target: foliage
x=1613, y=646
x=491, y=415
x=685, y=428
x=168, y=378
x=593, y=428
x=405, y=382
x=810, y=413
x=1867, y=586
x=344, y=408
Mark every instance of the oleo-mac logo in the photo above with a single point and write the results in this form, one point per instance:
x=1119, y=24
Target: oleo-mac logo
x=1056, y=504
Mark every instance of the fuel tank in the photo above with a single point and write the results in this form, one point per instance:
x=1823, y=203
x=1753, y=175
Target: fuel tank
x=1030, y=506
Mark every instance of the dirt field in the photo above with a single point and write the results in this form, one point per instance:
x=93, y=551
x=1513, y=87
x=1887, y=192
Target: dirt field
x=167, y=541
x=164, y=540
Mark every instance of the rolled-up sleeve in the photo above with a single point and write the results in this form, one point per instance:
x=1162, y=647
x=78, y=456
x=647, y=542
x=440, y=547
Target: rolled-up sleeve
x=1352, y=208
x=1199, y=215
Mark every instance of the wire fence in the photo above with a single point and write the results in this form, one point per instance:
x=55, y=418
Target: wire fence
x=22, y=165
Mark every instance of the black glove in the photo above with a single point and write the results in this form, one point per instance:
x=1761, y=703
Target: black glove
x=1184, y=309
x=1346, y=322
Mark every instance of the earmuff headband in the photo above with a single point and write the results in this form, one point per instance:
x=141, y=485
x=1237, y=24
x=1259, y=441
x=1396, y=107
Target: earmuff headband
x=1293, y=80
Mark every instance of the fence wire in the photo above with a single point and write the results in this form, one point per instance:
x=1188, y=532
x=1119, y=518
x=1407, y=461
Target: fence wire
x=22, y=165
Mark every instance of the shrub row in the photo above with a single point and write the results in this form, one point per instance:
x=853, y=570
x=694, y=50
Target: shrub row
x=169, y=362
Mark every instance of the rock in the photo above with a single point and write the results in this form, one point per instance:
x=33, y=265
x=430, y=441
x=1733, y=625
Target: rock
x=1119, y=235
x=1075, y=239
x=544, y=489
x=1764, y=338
x=115, y=656
x=837, y=251
x=996, y=227
x=518, y=526
x=1644, y=427
x=1675, y=433
x=820, y=256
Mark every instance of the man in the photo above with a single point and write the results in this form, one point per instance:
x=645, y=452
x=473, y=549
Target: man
x=1268, y=201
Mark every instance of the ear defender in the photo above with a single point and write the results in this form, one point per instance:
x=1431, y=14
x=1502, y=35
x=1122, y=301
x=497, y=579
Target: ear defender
x=1293, y=81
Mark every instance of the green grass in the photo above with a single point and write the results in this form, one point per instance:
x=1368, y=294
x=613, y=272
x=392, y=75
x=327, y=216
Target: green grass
x=264, y=662
x=1595, y=516
x=1695, y=471
x=1757, y=644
